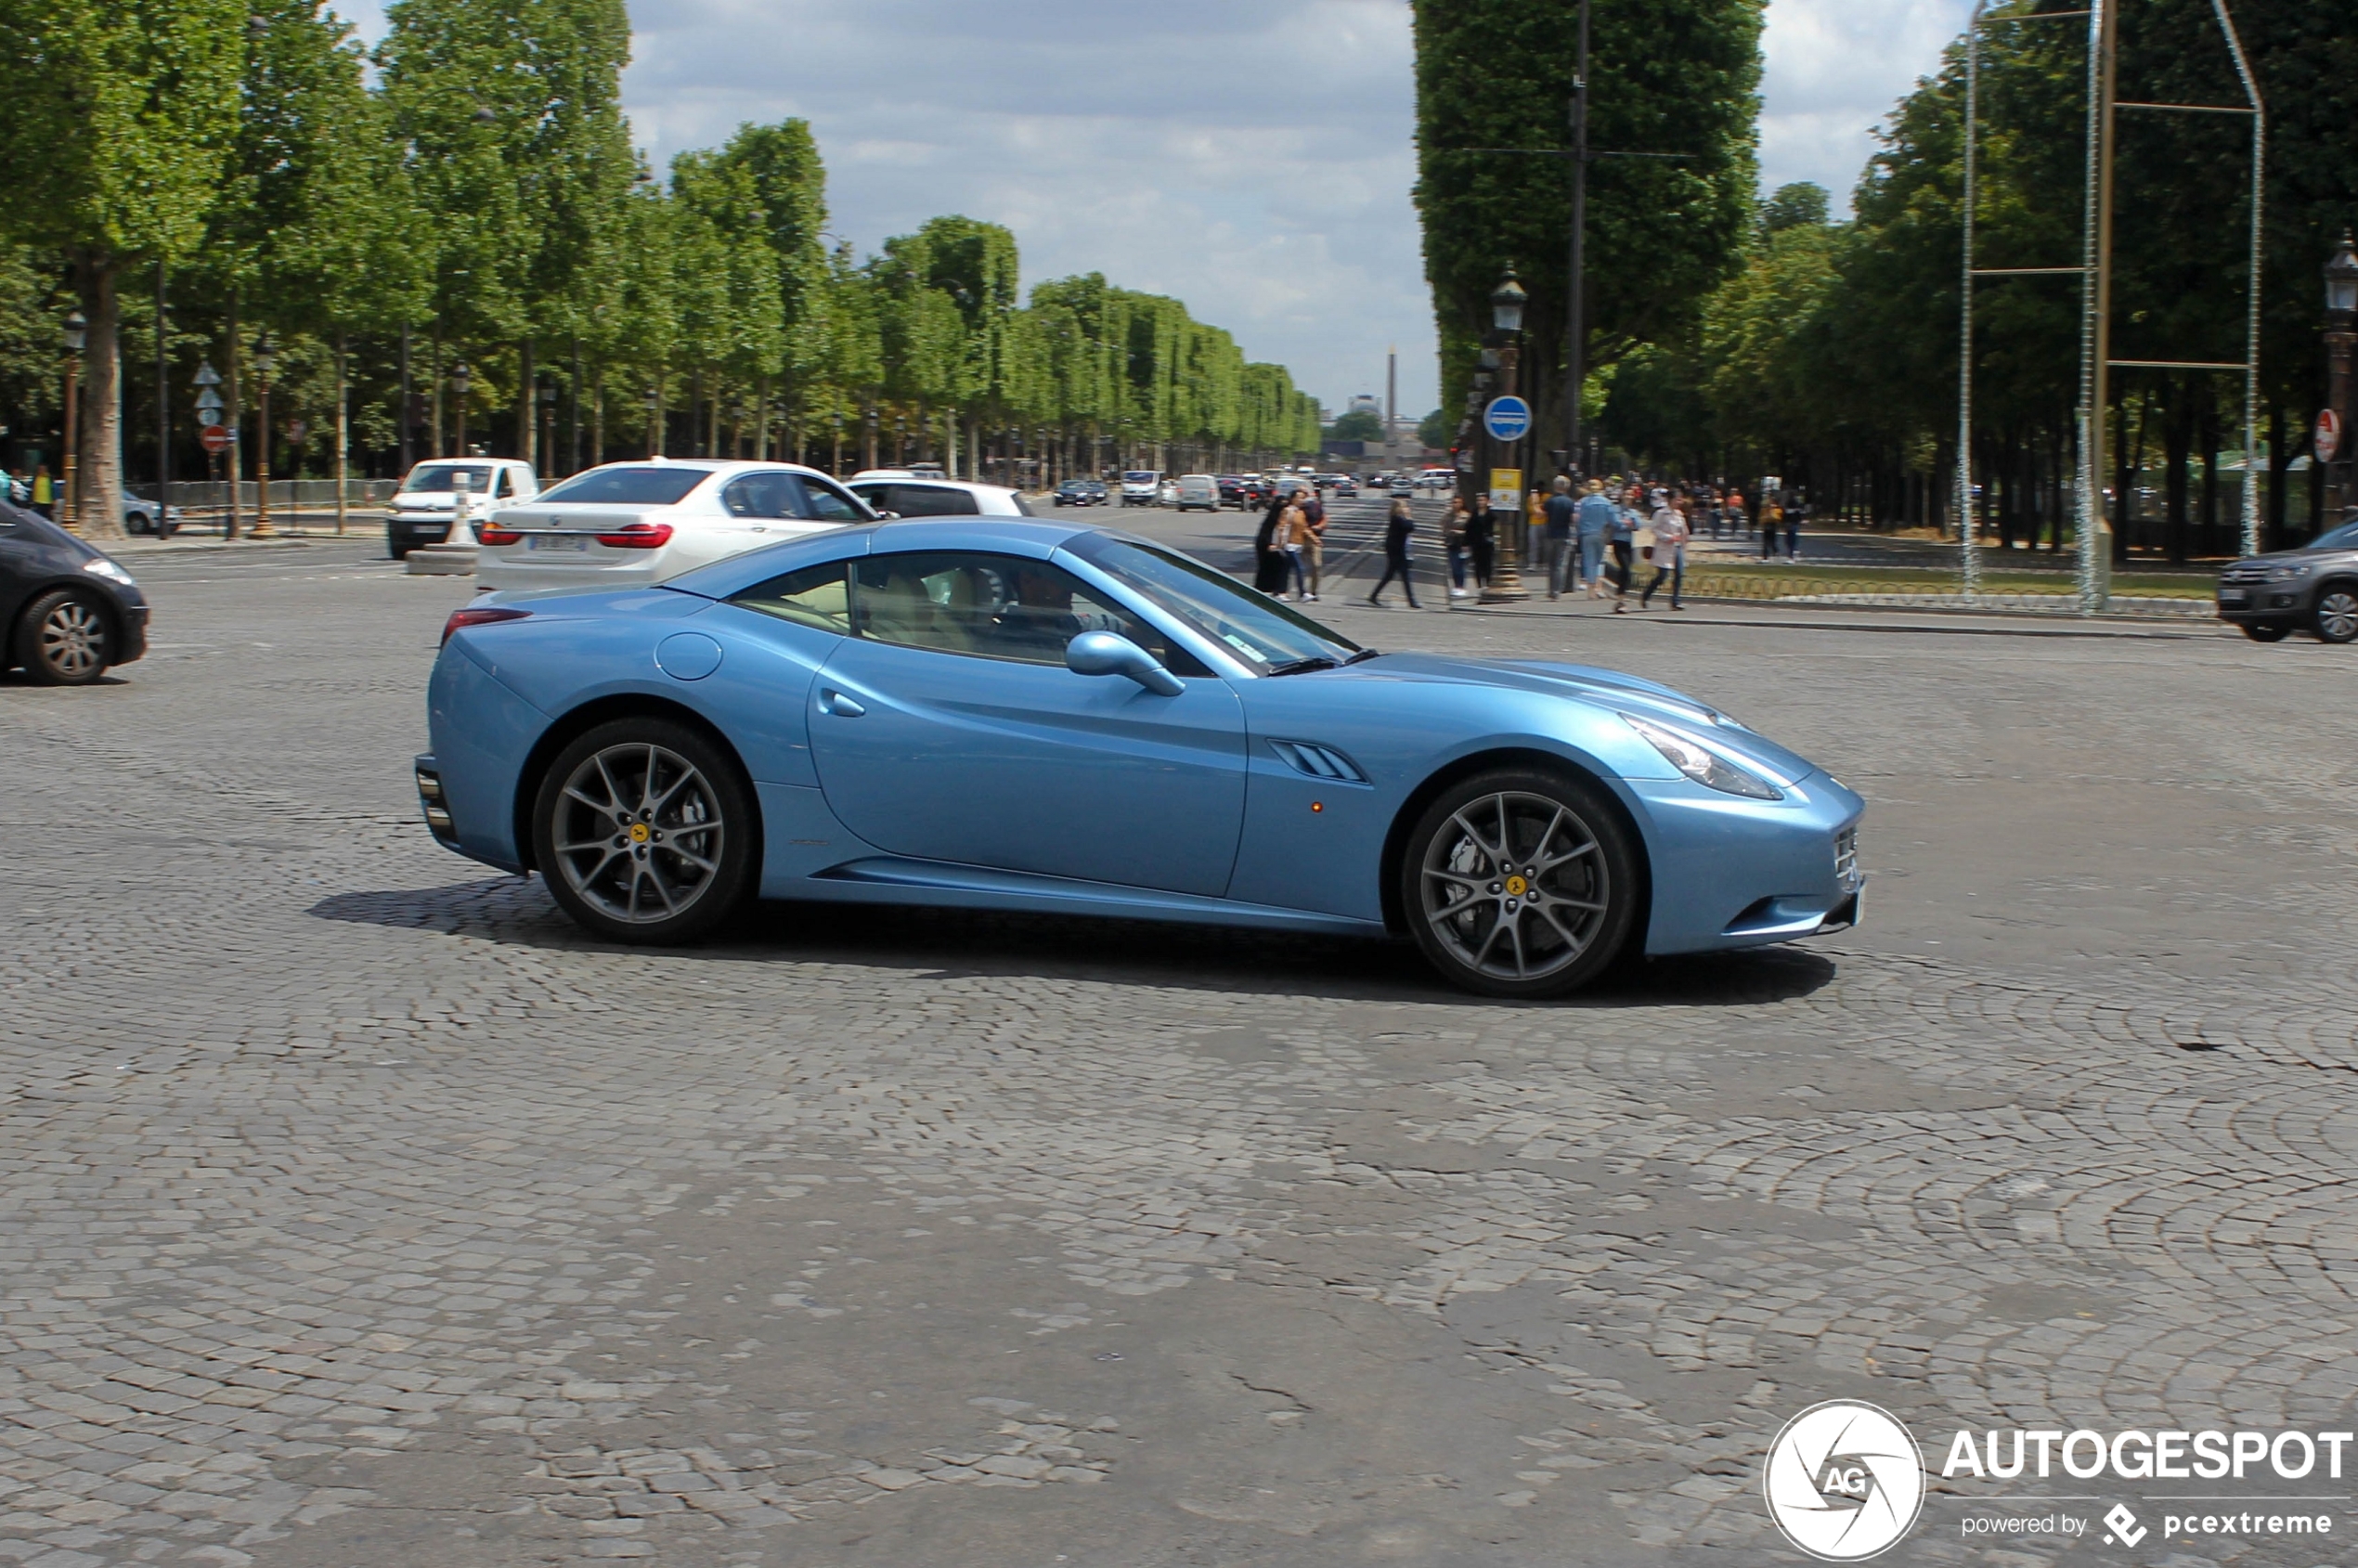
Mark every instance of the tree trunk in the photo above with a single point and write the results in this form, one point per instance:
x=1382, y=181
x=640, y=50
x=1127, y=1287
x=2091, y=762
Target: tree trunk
x=98, y=485
x=234, y=417
x=343, y=429
x=527, y=411
x=2177, y=445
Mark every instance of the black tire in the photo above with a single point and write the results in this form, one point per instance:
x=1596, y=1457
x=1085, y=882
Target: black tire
x=65, y=639
x=2266, y=631
x=650, y=875
x=137, y=523
x=1467, y=876
x=2335, y=617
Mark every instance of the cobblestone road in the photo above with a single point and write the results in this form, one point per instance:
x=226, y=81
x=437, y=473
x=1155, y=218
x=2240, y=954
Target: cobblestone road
x=355, y=1210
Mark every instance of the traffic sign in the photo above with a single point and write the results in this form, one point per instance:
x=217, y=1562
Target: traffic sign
x=2328, y=437
x=1507, y=419
x=217, y=440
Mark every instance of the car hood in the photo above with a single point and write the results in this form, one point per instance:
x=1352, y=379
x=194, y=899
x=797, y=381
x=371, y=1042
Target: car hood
x=1608, y=689
x=2290, y=557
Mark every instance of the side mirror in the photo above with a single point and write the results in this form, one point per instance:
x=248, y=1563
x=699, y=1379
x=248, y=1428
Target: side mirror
x=1107, y=653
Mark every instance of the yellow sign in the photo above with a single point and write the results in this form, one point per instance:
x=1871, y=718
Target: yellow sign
x=1506, y=489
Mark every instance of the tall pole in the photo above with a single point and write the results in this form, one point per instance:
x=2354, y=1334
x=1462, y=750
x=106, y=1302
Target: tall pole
x=164, y=408
x=263, y=529
x=2096, y=535
x=1577, y=288
x=1968, y=558
x=72, y=507
x=407, y=412
x=2251, y=326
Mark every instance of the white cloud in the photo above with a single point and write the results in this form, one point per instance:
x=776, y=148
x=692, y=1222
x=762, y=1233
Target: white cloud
x=1835, y=69
x=1251, y=157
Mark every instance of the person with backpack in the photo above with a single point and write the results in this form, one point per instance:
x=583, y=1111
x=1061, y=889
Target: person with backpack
x=1397, y=529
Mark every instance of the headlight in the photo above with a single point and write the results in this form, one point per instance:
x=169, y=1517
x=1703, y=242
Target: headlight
x=1702, y=764
x=2289, y=574
x=103, y=567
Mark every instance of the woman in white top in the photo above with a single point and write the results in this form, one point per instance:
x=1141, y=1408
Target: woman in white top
x=1671, y=530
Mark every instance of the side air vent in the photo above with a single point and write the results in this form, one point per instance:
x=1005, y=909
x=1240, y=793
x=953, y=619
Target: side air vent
x=1318, y=761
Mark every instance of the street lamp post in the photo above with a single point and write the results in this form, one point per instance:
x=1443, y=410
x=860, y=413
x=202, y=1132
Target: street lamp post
x=1506, y=302
x=265, y=359
x=549, y=424
x=75, y=333
x=2341, y=336
x=461, y=379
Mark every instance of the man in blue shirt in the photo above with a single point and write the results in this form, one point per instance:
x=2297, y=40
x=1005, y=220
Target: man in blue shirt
x=1594, y=518
x=1560, y=510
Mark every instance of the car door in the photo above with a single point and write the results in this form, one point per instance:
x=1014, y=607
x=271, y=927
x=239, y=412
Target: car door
x=755, y=508
x=949, y=729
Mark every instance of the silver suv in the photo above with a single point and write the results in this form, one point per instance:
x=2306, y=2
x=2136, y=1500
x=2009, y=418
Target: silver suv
x=2313, y=589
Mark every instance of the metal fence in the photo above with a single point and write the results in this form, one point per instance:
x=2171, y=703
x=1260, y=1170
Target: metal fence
x=212, y=495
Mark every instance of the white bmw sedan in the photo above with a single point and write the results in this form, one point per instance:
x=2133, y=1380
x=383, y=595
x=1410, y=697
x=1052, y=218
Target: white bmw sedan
x=632, y=522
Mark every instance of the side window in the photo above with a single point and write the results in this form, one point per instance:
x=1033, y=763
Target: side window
x=824, y=503
x=991, y=606
x=762, y=495
x=499, y=486
x=814, y=596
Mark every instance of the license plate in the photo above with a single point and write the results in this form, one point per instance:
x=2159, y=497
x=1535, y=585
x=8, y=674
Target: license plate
x=2232, y=596
x=557, y=541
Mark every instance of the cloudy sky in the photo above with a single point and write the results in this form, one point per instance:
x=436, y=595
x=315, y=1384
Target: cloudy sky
x=1249, y=157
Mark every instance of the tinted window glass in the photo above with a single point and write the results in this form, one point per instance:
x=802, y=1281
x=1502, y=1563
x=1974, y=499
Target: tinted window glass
x=814, y=596
x=1256, y=629
x=994, y=606
x=763, y=495
x=919, y=500
x=439, y=479
x=824, y=503
x=629, y=486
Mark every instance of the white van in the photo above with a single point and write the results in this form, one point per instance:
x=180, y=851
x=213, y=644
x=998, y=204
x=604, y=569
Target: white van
x=1142, y=486
x=422, y=508
x=1198, y=491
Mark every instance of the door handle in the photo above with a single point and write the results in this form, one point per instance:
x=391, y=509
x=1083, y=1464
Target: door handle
x=834, y=702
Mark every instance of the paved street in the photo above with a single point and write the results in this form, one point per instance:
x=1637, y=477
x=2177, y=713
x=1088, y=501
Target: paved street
x=356, y=1211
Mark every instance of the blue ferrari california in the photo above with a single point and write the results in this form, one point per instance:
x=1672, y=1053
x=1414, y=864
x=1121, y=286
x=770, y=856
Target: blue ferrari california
x=1002, y=713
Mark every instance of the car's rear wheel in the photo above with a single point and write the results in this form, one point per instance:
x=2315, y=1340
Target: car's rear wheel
x=2266, y=631
x=645, y=831
x=64, y=640
x=2336, y=616
x=1520, y=883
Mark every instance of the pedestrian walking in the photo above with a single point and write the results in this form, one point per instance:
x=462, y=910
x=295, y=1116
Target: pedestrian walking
x=1313, y=540
x=1621, y=537
x=1559, y=515
x=45, y=492
x=1482, y=538
x=1453, y=544
x=1594, y=521
x=1293, y=537
x=1772, y=519
x=1269, y=551
x=1672, y=528
x=1795, y=515
x=1397, y=529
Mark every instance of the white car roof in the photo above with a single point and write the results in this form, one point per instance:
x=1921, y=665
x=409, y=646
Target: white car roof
x=889, y=476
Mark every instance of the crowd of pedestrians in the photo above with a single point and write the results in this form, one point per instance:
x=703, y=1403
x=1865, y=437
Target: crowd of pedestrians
x=1616, y=538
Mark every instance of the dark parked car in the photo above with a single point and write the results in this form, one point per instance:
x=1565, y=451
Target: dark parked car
x=2313, y=589
x=1345, y=485
x=68, y=611
x=1082, y=492
x=1232, y=490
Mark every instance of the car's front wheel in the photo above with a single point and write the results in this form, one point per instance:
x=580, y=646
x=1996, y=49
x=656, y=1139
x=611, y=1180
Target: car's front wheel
x=2335, y=617
x=1520, y=883
x=64, y=640
x=645, y=831
x=2266, y=631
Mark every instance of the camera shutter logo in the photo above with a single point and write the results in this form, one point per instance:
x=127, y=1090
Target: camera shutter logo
x=1843, y=1481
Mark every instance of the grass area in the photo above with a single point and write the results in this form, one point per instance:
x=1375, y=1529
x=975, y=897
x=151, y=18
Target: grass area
x=1767, y=579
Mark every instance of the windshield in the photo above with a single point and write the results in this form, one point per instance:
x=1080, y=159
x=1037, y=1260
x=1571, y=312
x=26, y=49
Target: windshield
x=1142, y=476
x=1263, y=633
x=629, y=486
x=2343, y=538
x=441, y=478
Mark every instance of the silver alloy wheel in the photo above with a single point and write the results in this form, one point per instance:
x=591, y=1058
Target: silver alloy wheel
x=639, y=833
x=1519, y=889
x=72, y=641
x=2338, y=616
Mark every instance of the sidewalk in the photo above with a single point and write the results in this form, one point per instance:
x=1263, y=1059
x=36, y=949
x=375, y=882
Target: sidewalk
x=297, y=529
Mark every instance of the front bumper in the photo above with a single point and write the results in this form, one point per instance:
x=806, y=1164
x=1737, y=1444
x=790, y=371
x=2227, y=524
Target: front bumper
x=2252, y=600
x=409, y=533
x=1730, y=873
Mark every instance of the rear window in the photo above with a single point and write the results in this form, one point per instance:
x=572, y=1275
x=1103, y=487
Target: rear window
x=629, y=486
x=919, y=500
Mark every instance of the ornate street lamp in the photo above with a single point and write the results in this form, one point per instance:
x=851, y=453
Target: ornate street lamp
x=73, y=336
x=265, y=359
x=1506, y=302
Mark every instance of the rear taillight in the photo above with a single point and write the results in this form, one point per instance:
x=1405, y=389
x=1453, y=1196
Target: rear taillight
x=488, y=615
x=639, y=536
x=497, y=536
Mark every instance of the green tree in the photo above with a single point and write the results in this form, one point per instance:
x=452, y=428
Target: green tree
x=1801, y=204
x=1357, y=425
x=114, y=130
x=1673, y=76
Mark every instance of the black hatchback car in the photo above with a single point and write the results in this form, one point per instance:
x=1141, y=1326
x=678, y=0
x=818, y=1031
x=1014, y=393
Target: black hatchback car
x=68, y=611
x=2313, y=589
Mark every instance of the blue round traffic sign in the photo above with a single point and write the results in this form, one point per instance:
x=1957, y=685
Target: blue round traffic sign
x=1507, y=419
